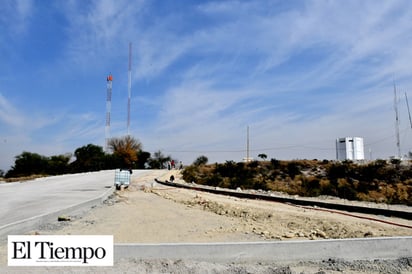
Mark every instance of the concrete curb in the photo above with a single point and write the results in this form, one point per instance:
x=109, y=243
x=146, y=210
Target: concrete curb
x=35, y=221
x=282, y=251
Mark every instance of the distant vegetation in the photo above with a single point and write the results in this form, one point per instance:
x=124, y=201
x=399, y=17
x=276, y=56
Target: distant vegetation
x=125, y=152
x=377, y=181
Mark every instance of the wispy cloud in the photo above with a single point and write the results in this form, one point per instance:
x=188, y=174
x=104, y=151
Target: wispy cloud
x=98, y=28
x=300, y=74
x=15, y=16
x=346, y=55
x=9, y=114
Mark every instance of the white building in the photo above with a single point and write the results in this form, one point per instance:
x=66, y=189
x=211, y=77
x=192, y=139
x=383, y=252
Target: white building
x=349, y=148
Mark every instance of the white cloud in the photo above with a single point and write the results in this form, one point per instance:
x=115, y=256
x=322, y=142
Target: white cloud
x=15, y=15
x=97, y=29
x=24, y=129
x=300, y=74
x=9, y=114
x=157, y=52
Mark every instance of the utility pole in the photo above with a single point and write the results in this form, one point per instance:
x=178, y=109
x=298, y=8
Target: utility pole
x=247, y=145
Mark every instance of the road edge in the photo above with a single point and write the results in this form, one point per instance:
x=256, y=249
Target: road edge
x=33, y=222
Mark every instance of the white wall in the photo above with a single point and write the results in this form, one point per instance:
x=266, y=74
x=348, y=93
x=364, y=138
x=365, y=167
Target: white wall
x=350, y=148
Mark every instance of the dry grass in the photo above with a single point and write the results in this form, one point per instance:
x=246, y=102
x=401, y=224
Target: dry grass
x=23, y=179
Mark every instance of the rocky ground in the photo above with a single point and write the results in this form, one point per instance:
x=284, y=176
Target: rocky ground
x=148, y=212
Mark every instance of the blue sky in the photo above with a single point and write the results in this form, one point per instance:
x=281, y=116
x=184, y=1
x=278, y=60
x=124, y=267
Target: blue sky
x=299, y=73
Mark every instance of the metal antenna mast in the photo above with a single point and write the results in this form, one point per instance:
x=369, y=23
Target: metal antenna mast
x=129, y=88
x=398, y=143
x=409, y=112
x=108, y=107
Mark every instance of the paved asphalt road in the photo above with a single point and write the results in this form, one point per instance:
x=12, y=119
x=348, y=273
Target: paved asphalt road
x=19, y=201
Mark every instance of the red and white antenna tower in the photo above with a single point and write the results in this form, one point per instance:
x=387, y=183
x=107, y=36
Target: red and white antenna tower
x=129, y=88
x=109, y=80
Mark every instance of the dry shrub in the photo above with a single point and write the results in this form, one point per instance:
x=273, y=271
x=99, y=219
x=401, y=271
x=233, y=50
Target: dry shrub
x=408, y=182
x=373, y=196
x=377, y=181
x=403, y=193
x=389, y=192
x=206, y=169
x=295, y=186
x=342, y=182
x=324, y=184
x=278, y=185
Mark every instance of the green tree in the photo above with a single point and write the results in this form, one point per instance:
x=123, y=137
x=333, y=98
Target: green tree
x=201, y=160
x=88, y=158
x=158, y=160
x=125, y=148
x=263, y=156
x=142, y=158
x=58, y=164
x=27, y=164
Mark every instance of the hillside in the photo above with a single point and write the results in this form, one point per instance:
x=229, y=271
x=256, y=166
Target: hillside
x=378, y=181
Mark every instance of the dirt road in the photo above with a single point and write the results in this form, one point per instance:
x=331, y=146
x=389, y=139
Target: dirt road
x=148, y=212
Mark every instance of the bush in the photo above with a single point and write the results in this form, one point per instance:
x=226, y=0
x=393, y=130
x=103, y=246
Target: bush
x=311, y=186
x=190, y=174
x=293, y=169
x=201, y=160
x=376, y=181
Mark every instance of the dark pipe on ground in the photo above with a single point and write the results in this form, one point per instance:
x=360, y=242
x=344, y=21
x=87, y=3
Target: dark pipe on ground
x=301, y=202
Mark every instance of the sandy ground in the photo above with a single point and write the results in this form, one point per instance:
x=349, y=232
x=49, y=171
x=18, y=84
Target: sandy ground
x=148, y=212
